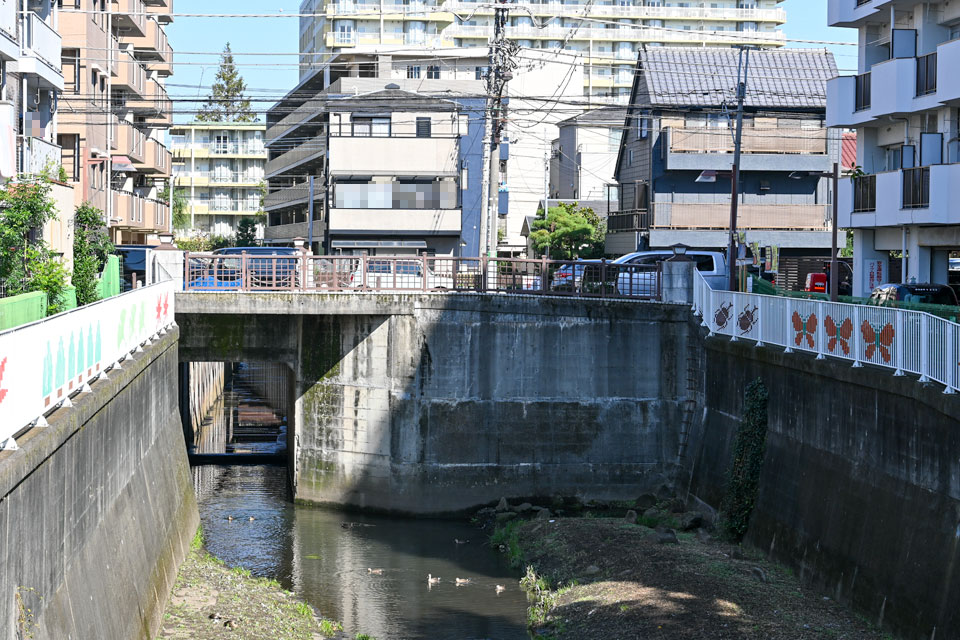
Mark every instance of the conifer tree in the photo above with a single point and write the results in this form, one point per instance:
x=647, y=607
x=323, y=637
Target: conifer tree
x=227, y=102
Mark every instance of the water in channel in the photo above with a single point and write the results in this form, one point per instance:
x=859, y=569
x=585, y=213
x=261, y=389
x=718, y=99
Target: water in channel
x=325, y=556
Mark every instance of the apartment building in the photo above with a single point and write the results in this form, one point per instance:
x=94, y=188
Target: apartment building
x=114, y=111
x=605, y=35
x=397, y=172
x=219, y=167
x=674, y=163
x=903, y=104
x=461, y=72
x=584, y=156
x=32, y=80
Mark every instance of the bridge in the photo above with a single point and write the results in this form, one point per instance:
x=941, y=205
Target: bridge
x=433, y=386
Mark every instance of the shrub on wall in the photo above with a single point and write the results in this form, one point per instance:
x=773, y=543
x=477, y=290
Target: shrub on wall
x=91, y=248
x=743, y=481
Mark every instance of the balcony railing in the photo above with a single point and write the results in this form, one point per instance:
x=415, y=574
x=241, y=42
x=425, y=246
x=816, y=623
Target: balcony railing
x=637, y=220
x=865, y=194
x=916, y=188
x=926, y=74
x=40, y=39
x=862, y=92
x=693, y=215
x=38, y=155
x=772, y=140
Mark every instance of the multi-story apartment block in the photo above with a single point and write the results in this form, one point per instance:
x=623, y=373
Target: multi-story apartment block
x=605, y=35
x=527, y=135
x=584, y=156
x=219, y=167
x=398, y=172
x=32, y=80
x=903, y=104
x=114, y=111
x=678, y=143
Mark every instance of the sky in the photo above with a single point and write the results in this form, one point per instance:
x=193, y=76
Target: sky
x=269, y=77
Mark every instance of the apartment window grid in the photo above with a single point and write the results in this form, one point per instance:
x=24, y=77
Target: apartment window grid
x=433, y=72
x=413, y=71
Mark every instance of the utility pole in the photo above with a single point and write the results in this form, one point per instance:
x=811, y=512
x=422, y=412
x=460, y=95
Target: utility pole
x=742, y=67
x=310, y=213
x=546, y=180
x=502, y=62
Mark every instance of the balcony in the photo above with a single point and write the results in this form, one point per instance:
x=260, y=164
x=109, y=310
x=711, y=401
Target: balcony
x=236, y=178
x=395, y=221
x=156, y=158
x=153, y=45
x=308, y=152
x=294, y=195
x=852, y=13
x=153, y=103
x=365, y=155
x=130, y=17
x=40, y=51
x=225, y=206
x=918, y=196
x=9, y=44
x=774, y=149
x=130, y=74
x=37, y=155
x=865, y=194
x=636, y=220
x=162, y=10
x=131, y=142
x=794, y=217
x=135, y=212
x=640, y=12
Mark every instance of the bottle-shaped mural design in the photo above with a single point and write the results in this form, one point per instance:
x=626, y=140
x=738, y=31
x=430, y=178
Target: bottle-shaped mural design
x=48, y=372
x=72, y=359
x=61, y=373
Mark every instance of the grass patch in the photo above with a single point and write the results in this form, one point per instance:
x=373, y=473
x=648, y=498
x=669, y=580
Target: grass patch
x=197, y=543
x=329, y=628
x=240, y=571
x=304, y=610
x=508, y=536
x=363, y=636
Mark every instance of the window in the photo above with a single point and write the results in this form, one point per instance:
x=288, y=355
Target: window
x=433, y=72
x=630, y=158
x=413, y=71
x=480, y=73
x=371, y=126
x=423, y=127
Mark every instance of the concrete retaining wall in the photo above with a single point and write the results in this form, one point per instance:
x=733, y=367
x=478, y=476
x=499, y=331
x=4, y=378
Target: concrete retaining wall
x=463, y=399
x=860, y=490
x=97, y=510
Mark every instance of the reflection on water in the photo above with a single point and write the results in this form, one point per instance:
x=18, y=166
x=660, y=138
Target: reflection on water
x=325, y=555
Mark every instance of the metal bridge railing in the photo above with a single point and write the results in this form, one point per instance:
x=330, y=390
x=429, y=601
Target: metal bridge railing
x=256, y=272
x=904, y=341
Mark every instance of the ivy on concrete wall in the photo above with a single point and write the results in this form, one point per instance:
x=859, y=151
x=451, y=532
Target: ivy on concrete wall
x=743, y=480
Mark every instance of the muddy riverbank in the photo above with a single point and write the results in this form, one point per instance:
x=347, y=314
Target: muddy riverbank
x=608, y=578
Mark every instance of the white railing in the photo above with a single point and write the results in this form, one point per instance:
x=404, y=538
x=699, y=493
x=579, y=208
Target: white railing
x=40, y=39
x=904, y=341
x=44, y=363
x=37, y=155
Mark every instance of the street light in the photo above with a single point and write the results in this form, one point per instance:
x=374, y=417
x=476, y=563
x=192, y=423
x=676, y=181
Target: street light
x=834, y=265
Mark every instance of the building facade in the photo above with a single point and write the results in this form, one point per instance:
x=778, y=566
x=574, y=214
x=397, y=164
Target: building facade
x=32, y=82
x=522, y=168
x=678, y=142
x=395, y=173
x=903, y=104
x=114, y=111
x=603, y=35
x=584, y=156
x=219, y=168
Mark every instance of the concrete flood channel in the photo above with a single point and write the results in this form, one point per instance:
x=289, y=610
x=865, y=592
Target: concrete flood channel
x=326, y=556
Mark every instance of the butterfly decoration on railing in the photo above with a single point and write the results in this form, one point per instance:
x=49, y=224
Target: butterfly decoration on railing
x=3, y=367
x=805, y=328
x=747, y=319
x=878, y=341
x=723, y=315
x=839, y=334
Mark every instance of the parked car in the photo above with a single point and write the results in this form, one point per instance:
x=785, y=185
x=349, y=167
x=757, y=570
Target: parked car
x=923, y=293
x=391, y=273
x=711, y=264
x=569, y=277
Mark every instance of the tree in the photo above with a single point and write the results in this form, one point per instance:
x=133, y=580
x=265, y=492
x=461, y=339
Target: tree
x=227, y=102
x=568, y=230
x=181, y=219
x=247, y=232
x=91, y=248
x=26, y=263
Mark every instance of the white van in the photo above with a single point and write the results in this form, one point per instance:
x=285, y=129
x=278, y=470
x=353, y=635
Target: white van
x=711, y=264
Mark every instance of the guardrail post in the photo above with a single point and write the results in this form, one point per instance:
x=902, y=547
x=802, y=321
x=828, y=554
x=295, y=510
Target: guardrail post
x=901, y=350
x=789, y=319
x=857, y=340
x=924, y=334
x=820, y=339
x=603, y=277
x=710, y=302
x=363, y=270
x=484, y=278
x=244, y=276
x=423, y=269
x=544, y=275
x=760, y=322
x=303, y=272
x=951, y=359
